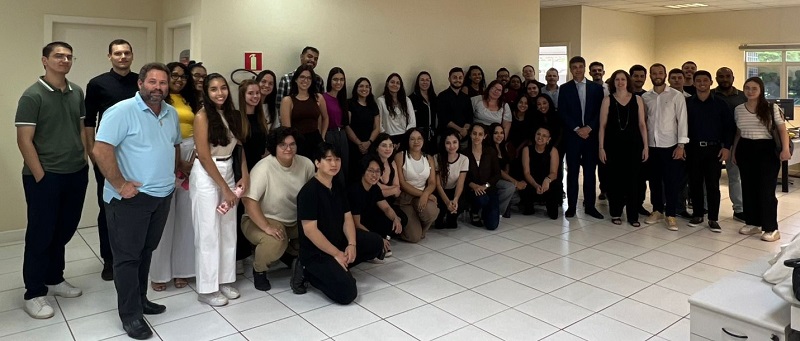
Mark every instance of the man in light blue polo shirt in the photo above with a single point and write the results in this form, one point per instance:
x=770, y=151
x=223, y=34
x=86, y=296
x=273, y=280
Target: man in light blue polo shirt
x=136, y=150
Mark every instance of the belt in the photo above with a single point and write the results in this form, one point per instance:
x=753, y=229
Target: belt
x=335, y=129
x=226, y=158
x=706, y=143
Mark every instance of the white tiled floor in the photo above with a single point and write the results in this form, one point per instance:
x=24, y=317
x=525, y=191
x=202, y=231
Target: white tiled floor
x=531, y=279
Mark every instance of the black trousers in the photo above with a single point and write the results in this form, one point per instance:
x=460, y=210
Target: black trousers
x=759, y=167
x=243, y=246
x=603, y=177
x=324, y=272
x=665, y=180
x=552, y=198
x=447, y=219
x=644, y=176
x=102, y=225
x=703, y=166
x=309, y=143
x=54, y=211
x=135, y=226
x=623, y=165
x=581, y=153
x=381, y=225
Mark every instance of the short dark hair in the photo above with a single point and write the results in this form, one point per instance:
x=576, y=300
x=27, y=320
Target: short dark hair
x=596, y=63
x=702, y=73
x=277, y=135
x=313, y=49
x=454, y=70
x=119, y=42
x=674, y=71
x=689, y=62
x=370, y=158
x=501, y=70
x=658, y=65
x=152, y=66
x=637, y=67
x=47, y=49
x=577, y=59
x=322, y=150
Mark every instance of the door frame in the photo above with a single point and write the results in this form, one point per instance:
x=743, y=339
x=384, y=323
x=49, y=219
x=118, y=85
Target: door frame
x=169, y=28
x=149, y=26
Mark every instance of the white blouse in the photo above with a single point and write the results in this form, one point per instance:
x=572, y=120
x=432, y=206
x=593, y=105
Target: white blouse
x=398, y=124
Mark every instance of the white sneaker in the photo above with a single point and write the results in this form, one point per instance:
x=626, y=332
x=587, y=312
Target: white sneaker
x=64, y=289
x=39, y=308
x=214, y=299
x=240, y=267
x=749, y=229
x=654, y=217
x=771, y=236
x=229, y=292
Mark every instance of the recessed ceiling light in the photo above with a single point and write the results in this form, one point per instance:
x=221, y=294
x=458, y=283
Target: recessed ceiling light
x=692, y=5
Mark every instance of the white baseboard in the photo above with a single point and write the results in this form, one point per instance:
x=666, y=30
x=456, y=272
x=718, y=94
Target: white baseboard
x=12, y=237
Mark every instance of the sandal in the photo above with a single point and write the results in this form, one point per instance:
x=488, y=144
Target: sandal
x=616, y=221
x=158, y=286
x=181, y=283
x=636, y=224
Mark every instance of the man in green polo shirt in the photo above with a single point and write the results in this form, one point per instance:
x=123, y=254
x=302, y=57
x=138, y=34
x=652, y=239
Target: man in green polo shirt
x=55, y=174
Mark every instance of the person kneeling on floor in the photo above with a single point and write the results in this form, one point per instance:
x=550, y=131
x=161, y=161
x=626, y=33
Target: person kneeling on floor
x=329, y=242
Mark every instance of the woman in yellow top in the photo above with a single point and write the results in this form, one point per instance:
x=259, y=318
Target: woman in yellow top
x=174, y=257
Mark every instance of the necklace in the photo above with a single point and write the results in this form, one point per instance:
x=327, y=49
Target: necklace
x=619, y=116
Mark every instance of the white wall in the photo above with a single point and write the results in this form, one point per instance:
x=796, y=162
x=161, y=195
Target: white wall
x=373, y=38
x=617, y=39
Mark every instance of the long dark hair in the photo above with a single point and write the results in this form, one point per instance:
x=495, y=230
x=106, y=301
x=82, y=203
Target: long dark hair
x=401, y=97
x=188, y=93
x=269, y=100
x=764, y=111
x=405, y=146
x=551, y=110
x=444, y=169
x=312, y=88
x=373, y=147
x=612, y=88
x=431, y=93
x=499, y=147
x=341, y=96
x=482, y=84
x=500, y=101
x=258, y=110
x=371, y=103
x=484, y=143
x=217, y=134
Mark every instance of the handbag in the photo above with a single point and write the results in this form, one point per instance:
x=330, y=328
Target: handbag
x=237, y=162
x=776, y=136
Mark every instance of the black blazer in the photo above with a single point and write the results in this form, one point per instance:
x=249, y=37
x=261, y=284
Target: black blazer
x=569, y=106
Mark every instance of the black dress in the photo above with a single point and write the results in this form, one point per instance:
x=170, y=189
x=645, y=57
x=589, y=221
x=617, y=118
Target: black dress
x=623, y=147
x=362, y=120
x=540, y=169
x=256, y=143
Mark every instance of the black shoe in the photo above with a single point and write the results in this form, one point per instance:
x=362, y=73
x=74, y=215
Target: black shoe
x=475, y=220
x=643, y=211
x=108, y=271
x=602, y=196
x=570, y=213
x=552, y=214
x=150, y=308
x=739, y=216
x=695, y=221
x=594, y=214
x=507, y=213
x=685, y=214
x=137, y=329
x=260, y=281
x=297, y=282
x=528, y=210
x=439, y=224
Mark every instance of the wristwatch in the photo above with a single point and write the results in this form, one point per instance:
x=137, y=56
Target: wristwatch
x=486, y=185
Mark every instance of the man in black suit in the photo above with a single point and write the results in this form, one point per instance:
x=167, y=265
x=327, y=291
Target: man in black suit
x=579, y=106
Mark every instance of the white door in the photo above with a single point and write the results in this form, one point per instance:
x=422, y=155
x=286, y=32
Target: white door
x=90, y=48
x=181, y=40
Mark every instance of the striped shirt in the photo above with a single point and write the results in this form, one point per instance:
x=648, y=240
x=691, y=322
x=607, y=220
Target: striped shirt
x=749, y=125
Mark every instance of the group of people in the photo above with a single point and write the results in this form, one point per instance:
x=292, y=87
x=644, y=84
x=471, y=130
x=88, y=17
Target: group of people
x=326, y=181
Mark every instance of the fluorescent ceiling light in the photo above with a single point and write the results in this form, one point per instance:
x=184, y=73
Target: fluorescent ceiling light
x=692, y=5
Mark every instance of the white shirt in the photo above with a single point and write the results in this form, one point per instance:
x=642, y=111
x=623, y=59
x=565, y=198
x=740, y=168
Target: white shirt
x=666, y=118
x=398, y=124
x=482, y=114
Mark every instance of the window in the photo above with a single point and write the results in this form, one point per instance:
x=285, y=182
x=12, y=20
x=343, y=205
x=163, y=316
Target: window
x=553, y=57
x=779, y=69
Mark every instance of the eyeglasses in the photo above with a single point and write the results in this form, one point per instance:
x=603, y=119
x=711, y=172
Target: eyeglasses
x=374, y=171
x=304, y=78
x=65, y=57
x=285, y=146
x=176, y=76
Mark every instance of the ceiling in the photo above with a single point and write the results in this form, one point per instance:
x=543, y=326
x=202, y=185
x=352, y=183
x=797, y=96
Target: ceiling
x=656, y=7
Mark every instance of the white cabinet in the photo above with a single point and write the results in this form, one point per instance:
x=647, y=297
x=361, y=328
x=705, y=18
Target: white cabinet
x=738, y=307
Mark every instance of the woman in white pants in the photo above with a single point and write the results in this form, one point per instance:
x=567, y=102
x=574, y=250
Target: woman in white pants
x=217, y=130
x=174, y=256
